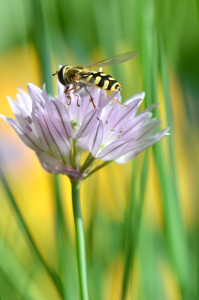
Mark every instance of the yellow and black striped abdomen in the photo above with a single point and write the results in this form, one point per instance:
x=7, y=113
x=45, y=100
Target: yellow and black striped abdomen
x=102, y=81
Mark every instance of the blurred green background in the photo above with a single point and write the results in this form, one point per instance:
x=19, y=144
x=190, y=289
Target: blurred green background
x=141, y=219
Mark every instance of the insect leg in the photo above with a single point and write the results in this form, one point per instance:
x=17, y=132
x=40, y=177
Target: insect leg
x=70, y=89
x=91, y=98
x=77, y=98
x=66, y=91
x=69, y=98
x=68, y=95
x=76, y=90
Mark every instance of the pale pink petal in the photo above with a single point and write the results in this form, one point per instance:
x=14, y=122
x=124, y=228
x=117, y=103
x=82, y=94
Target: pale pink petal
x=116, y=149
x=38, y=127
x=82, y=143
x=88, y=124
x=51, y=165
x=58, y=114
x=64, y=117
x=25, y=100
x=103, y=103
x=134, y=125
x=150, y=107
x=95, y=139
x=147, y=130
x=140, y=95
x=122, y=115
x=35, y=94
x=134, y=152
x=61, y=142
x=25, y=135
x=41, y=117
x=162, y=133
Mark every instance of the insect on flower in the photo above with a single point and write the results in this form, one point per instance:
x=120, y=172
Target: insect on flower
x=82, y=77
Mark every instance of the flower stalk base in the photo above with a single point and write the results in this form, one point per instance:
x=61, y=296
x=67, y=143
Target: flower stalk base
x=80, y=244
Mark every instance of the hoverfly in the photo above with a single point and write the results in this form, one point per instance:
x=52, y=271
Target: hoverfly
x=82, y=77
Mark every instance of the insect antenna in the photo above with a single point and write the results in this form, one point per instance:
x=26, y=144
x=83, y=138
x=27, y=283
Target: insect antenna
x=55, y=73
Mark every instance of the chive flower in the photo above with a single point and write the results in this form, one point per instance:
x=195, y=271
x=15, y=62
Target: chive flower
x=60, y=129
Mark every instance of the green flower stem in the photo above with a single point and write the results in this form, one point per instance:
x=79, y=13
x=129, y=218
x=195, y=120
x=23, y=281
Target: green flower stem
x=80, y=244
x=97, y=168
x=87, y=163
x=74, y=163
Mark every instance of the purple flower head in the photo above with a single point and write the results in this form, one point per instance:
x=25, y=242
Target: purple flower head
x=60, y=129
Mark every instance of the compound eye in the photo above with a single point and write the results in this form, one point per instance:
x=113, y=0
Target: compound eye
x=60, y=76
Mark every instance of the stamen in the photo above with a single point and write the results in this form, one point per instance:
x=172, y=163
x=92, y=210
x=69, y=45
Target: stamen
x=107, y=120
x=28, y=127
x=28, y=119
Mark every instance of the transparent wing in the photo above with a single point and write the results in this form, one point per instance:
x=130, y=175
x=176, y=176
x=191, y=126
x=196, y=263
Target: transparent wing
x=115, y=60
